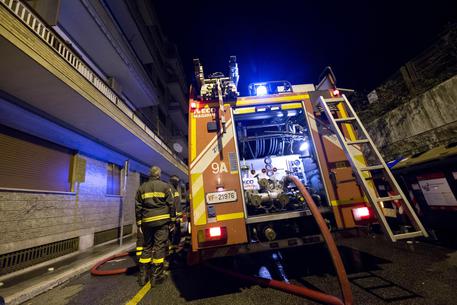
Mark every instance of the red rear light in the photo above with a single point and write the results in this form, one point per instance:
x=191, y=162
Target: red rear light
x=212, y=236
x=193, y=105
x=362, y=213
x=336, y=92
x=215, y=232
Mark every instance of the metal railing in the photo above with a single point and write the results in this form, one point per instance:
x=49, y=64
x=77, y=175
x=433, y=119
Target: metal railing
x=34, y=23
x=21, y=259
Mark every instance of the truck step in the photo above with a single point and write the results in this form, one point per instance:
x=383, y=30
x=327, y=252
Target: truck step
x=371, y=168
x=390, y=198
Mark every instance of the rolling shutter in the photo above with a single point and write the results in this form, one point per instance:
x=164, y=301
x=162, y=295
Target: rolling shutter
x=27, y=162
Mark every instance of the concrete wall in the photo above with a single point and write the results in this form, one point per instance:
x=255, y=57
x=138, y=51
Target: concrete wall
x=30, y=219
x=423, y=122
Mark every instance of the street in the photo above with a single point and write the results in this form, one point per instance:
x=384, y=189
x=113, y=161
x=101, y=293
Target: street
x=269, y=144
x=380, y=273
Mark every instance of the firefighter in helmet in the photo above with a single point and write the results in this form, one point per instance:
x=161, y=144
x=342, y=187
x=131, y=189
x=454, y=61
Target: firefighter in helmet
x=154, y=210
x=175, y=235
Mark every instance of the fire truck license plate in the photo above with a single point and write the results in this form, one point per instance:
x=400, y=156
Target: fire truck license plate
x=219, y=197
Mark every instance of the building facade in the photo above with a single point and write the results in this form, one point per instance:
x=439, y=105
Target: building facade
x=412, y=119
x=414, y=109
x=91, y=95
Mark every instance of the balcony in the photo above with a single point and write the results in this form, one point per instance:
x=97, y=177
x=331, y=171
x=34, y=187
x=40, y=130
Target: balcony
x=43, y=74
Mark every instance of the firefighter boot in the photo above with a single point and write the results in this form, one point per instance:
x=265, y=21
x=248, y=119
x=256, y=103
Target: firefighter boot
x=142, y=275
x=158, y=275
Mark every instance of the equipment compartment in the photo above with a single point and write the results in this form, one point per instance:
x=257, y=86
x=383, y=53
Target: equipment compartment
x=274, y=142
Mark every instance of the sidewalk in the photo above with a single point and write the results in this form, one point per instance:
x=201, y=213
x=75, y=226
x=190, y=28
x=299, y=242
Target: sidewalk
x=23, y=287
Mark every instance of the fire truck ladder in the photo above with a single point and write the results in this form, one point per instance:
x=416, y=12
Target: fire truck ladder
x=363, y=138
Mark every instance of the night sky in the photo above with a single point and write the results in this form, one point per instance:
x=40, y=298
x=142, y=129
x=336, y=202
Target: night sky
x=364, y=41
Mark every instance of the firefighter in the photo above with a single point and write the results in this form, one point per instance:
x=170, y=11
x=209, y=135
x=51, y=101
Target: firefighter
x=154, y=209
x=175, y=234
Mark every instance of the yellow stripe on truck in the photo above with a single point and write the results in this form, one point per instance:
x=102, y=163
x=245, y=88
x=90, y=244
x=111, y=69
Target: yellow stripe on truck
x=198, y=167
x=198, y=199
x=349, y=127
x=291, y=106
x=348, y=201
x=210, y=154
x=279, y=98
x=193, y=137
x=244, y=110
x=230, y=216
x=208, y=146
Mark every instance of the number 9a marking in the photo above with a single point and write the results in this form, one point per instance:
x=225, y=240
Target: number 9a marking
x=219, y=167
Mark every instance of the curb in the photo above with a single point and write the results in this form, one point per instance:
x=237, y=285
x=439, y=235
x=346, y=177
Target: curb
x=43, y=286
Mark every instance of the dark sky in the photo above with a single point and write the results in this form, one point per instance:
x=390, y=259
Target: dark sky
x=363, y=41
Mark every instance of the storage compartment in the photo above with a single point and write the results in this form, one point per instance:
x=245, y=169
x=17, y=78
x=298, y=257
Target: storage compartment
x=273, y=142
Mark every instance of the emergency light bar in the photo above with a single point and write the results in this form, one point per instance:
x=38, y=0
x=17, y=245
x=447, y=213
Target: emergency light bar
x=273, y=87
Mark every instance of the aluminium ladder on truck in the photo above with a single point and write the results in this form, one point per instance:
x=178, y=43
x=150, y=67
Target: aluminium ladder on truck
x=365, y=172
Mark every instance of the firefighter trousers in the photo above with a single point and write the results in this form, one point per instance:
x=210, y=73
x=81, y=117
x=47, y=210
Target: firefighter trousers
x=155, y=245
x=139, y=244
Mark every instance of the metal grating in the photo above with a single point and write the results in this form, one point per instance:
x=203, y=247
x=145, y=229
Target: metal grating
x=21, y=259
x=111, y=234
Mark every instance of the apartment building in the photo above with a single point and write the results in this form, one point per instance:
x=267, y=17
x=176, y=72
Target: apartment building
x=91, y=95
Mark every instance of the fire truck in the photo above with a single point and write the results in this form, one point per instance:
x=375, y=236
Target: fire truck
x=243, y=149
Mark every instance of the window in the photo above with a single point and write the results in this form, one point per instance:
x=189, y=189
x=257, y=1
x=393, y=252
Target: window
x=113, y=185
x=27, y=162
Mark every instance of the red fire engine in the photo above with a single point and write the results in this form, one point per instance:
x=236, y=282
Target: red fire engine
x=243, y=149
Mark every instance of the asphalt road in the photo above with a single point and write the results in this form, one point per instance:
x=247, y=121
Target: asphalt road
x=380, y=273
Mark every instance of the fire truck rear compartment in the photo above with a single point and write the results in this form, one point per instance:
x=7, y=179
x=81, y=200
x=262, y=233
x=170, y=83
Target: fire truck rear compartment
x=270, y=231
x=272, y=144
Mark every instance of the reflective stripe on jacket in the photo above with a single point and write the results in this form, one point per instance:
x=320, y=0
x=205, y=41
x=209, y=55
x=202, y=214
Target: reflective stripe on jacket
x=154, y=202
x=176, y=200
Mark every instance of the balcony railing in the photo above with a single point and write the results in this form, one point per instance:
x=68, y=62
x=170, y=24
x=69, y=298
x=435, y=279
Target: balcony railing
x=35, y=24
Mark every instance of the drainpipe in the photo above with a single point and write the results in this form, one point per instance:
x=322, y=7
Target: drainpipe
x=123, y=198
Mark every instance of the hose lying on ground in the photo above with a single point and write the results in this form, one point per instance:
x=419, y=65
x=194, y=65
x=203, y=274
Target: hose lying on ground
x=333, y=250
x=95, y=271
x=290, y=288
x=300, y=290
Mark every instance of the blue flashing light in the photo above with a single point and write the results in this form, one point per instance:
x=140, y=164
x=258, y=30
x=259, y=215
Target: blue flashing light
x=304, y=146
x=261, y=90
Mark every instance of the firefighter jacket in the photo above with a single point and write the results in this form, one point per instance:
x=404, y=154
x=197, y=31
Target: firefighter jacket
x=154, y=203
x=176, y=200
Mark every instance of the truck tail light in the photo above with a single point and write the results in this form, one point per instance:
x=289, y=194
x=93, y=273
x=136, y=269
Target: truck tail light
x=362, y=213
x=212, y=236
x=215, y=232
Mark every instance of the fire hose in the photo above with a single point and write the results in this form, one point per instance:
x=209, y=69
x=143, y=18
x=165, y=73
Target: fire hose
x=95, y=271
x=290, y=288
x=335, y=255
x=300, y=290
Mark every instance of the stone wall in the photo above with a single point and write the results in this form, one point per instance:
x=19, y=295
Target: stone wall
x=423, y=122
x=29, y=219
